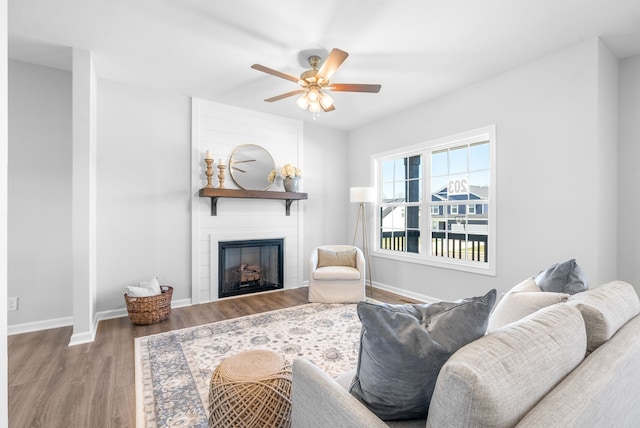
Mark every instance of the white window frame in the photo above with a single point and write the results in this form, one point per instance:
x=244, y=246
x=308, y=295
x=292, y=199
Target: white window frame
x=487, y=133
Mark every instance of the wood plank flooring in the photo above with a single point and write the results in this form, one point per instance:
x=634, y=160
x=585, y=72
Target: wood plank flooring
x=93, y=385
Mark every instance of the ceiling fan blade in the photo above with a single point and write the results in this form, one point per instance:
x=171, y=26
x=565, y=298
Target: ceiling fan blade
x=330, y=65
x=286, y=95
x=275, y=72
x=354, y=87
x=328, y=109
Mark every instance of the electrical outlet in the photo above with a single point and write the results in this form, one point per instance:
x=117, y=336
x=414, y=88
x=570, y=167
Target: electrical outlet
x=12, y=304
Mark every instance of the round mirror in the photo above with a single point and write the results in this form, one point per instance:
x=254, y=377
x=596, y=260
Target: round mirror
x=250, y=166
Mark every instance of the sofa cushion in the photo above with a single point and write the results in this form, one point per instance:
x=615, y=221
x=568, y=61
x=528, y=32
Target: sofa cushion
x=515, y=306
x=523, y=299
x=605, y=309
x=403, y=347
x=495, y=380
x=336, y=273
x=336, y=258
x=566, y=277
x=528, y=284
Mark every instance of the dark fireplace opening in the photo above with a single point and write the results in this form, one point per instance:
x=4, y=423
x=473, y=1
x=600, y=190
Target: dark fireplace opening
x=249, y=266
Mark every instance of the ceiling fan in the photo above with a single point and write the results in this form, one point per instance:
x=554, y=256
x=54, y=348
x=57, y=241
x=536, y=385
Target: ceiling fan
x=314, y=82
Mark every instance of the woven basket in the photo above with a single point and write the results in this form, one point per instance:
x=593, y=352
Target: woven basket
x=149, y=310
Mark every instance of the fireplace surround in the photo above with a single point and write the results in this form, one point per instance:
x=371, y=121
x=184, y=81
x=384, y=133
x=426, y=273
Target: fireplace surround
x=249, y=266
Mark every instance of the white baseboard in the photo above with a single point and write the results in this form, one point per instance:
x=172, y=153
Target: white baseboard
x=29, y=327
x=122, y=312
x=82, y=338
x=405, y=293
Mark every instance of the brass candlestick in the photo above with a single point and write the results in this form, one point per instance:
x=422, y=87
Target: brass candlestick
x=221, y=169
x=209, y=173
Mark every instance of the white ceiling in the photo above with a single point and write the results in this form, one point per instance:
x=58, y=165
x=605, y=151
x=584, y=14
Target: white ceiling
x=417, y=49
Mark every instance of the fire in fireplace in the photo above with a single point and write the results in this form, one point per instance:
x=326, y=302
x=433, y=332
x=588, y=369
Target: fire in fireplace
x=249, y=266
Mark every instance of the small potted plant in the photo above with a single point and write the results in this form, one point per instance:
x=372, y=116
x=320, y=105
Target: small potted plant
x=290, y=177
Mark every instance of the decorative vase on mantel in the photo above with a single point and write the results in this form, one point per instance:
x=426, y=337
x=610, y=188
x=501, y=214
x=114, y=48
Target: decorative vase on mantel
x=291, y=184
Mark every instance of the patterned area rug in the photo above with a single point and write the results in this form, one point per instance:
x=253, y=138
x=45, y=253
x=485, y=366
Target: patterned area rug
x=173, y=369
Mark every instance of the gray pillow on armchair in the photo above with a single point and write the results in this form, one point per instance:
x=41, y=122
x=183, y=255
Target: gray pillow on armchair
x=403, y=347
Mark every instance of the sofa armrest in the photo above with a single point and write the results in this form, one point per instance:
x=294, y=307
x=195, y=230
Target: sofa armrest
x=319, y=401
x=601, y=392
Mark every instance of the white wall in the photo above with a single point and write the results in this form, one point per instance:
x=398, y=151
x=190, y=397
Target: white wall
x=39, y=252
x=629, y=173
x=326, y=180
x=143, y=224
x=548, y=147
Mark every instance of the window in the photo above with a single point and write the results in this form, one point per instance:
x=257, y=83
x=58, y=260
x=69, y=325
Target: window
x=437, y=202
x=401, y=190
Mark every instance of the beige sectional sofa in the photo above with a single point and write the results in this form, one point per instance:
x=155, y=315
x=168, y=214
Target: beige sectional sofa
x=572, y=364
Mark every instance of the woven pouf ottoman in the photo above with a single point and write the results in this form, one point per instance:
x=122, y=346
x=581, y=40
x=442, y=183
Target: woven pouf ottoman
x=251, y=389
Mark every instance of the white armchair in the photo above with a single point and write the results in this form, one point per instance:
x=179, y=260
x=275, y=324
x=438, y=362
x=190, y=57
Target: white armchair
x=336, y=274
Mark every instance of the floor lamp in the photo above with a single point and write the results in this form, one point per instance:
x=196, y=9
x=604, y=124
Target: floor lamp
x=362, y=195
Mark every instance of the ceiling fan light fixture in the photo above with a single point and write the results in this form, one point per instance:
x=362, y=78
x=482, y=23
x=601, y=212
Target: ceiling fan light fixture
x=313, y=95
x=314, y=107
x=302, y=101
x=325, y=100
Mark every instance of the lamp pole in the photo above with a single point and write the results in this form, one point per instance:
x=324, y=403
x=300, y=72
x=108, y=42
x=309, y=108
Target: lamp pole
x=362, y=195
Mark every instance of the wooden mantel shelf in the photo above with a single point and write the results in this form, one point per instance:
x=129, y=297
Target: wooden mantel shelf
x=215, y=194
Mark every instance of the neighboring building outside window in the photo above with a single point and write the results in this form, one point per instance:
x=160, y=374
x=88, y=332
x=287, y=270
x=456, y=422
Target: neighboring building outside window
x=437, y=202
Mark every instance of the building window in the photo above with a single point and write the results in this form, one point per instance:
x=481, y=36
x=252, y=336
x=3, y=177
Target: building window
x=451, y=181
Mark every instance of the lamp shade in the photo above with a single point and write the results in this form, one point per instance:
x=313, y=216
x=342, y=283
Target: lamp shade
x=363, y=194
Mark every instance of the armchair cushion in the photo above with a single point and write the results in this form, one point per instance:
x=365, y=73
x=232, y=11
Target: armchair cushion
x=336, y=258
x=333, y=273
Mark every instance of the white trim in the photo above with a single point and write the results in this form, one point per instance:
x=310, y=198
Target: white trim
x=445, y=263
x=405, y=293
x=82, y=338
x=29, y=327
x=122, y=312
x=195, y=210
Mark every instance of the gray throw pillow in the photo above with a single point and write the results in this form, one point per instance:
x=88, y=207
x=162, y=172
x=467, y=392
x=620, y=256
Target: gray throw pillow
x=564, y=277
x=403, y=347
